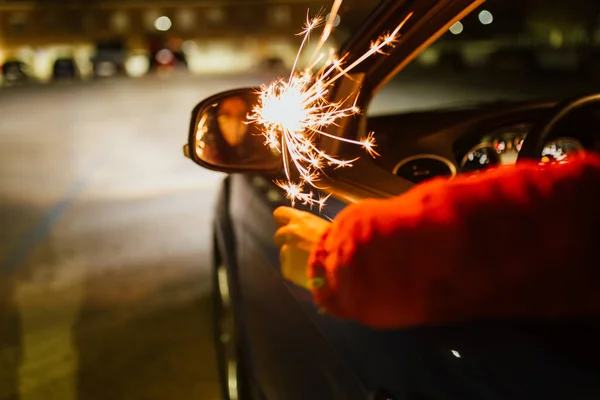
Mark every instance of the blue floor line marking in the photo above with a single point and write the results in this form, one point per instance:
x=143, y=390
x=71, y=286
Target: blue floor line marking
x=38, y=232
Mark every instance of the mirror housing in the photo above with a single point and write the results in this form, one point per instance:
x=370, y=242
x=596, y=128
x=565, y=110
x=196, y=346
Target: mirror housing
x=221, y=138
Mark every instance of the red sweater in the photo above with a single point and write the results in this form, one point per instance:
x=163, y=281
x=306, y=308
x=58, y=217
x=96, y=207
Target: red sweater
x=518, y=241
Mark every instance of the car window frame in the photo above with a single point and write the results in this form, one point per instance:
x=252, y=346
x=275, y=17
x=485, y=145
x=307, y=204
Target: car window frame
x=430, y=20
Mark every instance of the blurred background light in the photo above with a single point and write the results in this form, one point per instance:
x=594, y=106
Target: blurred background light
x=486, y=17
x=429, y=57
x=457, y=28
x=165, y=56
x=120, y=21
x=137, y=65
x=189, y=46
x=163, y=23
x=186, y=19
x=336, y=21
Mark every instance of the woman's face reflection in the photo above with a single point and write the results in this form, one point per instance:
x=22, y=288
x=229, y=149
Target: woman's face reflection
x=232, y=120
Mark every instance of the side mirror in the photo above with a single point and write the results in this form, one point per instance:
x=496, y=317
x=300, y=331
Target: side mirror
x=223, y=139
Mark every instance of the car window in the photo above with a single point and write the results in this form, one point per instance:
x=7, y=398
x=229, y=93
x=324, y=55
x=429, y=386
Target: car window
x=504, y=50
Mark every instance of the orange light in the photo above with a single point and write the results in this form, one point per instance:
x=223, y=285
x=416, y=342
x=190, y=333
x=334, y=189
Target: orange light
x=175, y=44
x=545, y=159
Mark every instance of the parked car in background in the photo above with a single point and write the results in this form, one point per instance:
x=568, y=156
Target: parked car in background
x=109, y=59
x=65, y=69
x=15, y=72
x=274, y=343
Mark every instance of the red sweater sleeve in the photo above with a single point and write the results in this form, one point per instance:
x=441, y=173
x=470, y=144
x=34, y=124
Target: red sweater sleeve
x=517, y=241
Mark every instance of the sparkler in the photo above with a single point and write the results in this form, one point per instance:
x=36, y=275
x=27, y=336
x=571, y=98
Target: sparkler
x=293, y=113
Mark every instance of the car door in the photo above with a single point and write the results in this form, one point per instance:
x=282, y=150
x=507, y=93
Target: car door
x=290, y=357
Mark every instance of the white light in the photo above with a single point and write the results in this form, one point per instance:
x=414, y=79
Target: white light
x=456, y=354
x=457, y=28
x=189, y=46
x=137, y=66
x=486, y=17
x=165, y=56
x=336, y=20
x=163, y=24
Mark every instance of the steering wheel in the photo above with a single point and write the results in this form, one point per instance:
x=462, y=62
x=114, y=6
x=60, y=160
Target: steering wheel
x=577, y=118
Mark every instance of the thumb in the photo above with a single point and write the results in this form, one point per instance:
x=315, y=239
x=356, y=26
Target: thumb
x=283, y=215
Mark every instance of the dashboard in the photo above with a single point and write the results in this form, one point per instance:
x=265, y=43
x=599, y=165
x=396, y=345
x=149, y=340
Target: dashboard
x=444, y=143
x=502, y=147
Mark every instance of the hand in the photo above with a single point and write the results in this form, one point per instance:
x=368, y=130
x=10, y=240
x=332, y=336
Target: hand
x=298, y=234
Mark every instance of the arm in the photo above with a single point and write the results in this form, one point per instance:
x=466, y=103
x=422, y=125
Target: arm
x=516, y=241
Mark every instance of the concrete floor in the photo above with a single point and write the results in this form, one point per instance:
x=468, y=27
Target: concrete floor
x=104, y=233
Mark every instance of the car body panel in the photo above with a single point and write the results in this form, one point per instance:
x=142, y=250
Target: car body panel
x=274, y=318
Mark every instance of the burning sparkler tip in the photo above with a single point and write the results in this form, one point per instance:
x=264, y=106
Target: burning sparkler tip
x=294, y=112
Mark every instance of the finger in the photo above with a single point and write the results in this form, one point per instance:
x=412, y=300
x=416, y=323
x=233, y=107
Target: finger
x=283, y=258
x=286, y=263
x=283, y=215
x=294, y=266
x=284, y=235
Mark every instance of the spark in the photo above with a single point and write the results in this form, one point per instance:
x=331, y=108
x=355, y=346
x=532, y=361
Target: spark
x=294, y=113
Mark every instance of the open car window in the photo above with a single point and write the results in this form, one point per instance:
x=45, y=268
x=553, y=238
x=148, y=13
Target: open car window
x=502, y=51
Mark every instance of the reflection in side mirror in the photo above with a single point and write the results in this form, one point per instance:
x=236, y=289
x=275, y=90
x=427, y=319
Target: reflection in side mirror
x=222, y=138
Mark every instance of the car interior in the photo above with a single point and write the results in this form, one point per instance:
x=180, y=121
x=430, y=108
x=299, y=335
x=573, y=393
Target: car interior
x=443, y=118
x=466, y=140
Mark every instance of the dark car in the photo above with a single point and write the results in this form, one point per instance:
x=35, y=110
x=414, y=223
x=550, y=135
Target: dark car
x=65, y=69
x=15, y=72
x=106, y=68
x=109, y=59
x=274, y=343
